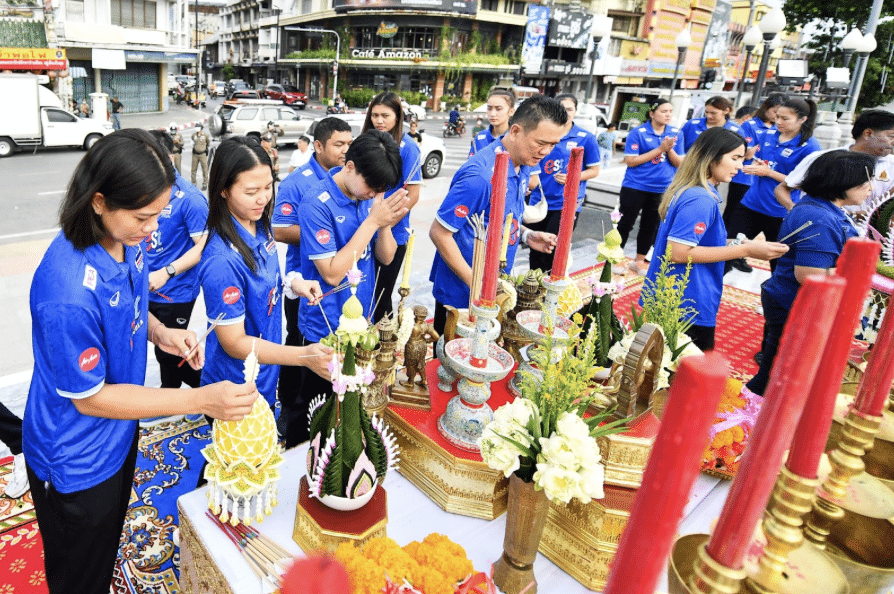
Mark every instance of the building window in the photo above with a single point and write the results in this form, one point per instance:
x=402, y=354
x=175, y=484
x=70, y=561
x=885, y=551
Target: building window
x=133, y=13
x=625, y=25
x=614, y=47
x=490, y=5
x=74, y=11
x=421, y=39
x=307, y=6
x=515, y=7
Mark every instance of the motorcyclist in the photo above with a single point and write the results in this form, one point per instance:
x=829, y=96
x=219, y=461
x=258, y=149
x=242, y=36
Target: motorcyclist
x=456, y=122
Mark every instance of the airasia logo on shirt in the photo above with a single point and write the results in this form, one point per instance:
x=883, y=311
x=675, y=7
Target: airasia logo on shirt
x=462, y=211
x=231, y=295
x=700, y=228
x=323, y=236
x=286, y=209
x=88, y=359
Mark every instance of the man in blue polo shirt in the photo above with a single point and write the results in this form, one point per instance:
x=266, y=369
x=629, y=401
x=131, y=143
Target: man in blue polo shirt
x=332, y=137
x=535, y=128
x=172, y=252
x=343, y=220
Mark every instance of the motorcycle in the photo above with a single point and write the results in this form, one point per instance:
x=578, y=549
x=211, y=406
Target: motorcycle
x=338, y=108
x=457, y=128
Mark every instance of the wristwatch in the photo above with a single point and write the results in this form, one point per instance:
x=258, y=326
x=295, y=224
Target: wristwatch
x=171, y=270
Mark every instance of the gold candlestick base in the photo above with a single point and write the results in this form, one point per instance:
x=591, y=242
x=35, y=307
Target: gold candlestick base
x=847, y=462
x=710, y=577
x=861, y=547
x=792, y=498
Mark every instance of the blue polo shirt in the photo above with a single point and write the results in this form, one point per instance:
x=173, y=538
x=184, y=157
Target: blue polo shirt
x=754, y=131
x=694, y=219
x=483, y=139
x=180, y=223
x=655, y=175
x=832, y=228
x=470, y=193
x=557, y=162
x=288, y=199
x=782, y=157
x=410, y=155
x=231, y=288
x=88, y=329
x=328, y=220
x=692, y=129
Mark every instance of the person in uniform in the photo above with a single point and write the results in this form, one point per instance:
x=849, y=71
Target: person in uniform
x=172, y=252
x=500, y=107
x=535, y=128
x=554, y=171
x=90, y=331
x=332, y=137
x=200, y=145
x=178, y=147
x=386, y=115
x=347, y=218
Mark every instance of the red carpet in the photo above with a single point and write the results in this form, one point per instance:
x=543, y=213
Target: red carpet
x=21, y=549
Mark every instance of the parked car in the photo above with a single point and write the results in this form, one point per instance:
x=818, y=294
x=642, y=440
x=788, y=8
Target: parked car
x=241, y=94
x=590, y=118
x=432, y=148
x=250, y=117
x=412, y=112
x=287, y=94
x=236, y=85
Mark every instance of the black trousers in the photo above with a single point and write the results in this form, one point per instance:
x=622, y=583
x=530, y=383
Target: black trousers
x=750, y=222
x=550, y=224
x=702, y=337
x=775, y=317
x=10, y=430
x=440, y=319
x=292, y=421
x=312, y=385
x=734, y=196
x=81, y=530
x=174, y=315
x=637, y=203
x=386, y=277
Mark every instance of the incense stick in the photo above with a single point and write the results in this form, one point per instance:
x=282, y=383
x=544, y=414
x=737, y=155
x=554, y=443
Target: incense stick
x=804, y=239
x=375, y=305
x=190, y=352
x=798, y=230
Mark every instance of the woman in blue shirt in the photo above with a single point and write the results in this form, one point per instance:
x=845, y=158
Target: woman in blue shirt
x=386, y=115
x=777, y=156
x=90, y=329
x=240, y=273
x=717, y=110
x=652, y=154
x=835, y=180
x=500, y=107
x=693, y=227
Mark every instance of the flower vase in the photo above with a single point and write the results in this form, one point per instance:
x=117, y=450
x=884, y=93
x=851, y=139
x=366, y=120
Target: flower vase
x=525, y=518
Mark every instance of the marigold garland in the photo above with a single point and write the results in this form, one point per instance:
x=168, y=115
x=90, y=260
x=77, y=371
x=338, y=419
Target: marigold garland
x=432, y=566
x=727, y=445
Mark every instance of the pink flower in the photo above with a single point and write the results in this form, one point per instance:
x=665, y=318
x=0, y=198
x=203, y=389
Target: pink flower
x=333, y=366
x=340, y=385
x=615, y=215
x=354, y=275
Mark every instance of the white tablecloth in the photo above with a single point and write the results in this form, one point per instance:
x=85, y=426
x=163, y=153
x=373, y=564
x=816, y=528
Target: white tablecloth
x=412, y=516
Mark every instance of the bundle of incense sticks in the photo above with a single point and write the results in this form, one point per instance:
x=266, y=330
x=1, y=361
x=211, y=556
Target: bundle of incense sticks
x=341, y=287
x=261, y=553
x=478, y=254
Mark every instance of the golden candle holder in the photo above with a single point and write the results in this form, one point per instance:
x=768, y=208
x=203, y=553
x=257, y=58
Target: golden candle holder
x=861, y=547
x=847, y=462
x=879, y=460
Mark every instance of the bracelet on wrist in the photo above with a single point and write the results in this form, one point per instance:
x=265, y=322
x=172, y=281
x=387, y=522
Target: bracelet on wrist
x=153, y=332
x=525, y=235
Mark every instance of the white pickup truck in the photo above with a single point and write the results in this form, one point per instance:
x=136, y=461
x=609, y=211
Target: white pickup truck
x=32, y=116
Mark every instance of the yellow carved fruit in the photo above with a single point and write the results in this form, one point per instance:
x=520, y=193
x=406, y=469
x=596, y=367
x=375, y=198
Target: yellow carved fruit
x=352, y=308
x=570, y=300
x=251, y=440
x=612, y=239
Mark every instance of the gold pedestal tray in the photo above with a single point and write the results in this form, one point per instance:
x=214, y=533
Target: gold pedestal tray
x=457, y=480
x=810, y=571
x=319, y=528
x=415, y=396
x=583, y=539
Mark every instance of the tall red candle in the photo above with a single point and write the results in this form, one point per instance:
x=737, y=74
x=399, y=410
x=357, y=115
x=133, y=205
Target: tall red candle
x=876, y=382
x=856, y=265
x=667, y=481
x=569, y=207
x=494, y=230
x=809, y=325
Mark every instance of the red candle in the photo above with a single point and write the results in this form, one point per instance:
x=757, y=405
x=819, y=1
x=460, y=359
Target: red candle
x=569, y=206
x=494, y=230
x=856, y=265
x=667, y=481
x=809, y=325
x=876, y=382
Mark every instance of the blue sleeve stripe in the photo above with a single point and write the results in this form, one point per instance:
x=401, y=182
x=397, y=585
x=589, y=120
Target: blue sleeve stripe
x=231, y=321
x=682, y=241
x=445, y=224
x=84, y=394
x=322, y=256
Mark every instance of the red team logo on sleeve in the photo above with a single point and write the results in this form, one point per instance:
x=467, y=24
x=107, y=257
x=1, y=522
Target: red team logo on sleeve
x=231, y=295
x=286, y=209
x=700, y=228
x=88, y=359
x=634, y=147
x=462, y=211
x=323, y=237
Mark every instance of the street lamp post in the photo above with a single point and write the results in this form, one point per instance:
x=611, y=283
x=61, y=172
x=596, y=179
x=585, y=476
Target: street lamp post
x=683, y=41
x=752, y=38
x=337, y=51
x=602, y=27
x=850, y=44
x=860, y=70
x=772, y=23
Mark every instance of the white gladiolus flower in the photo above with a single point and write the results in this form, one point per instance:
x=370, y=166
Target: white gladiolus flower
x=588, y=452
x=518, y=411
x=560, y=484
x=572, y=426
x=558, y=450
x=593, y=480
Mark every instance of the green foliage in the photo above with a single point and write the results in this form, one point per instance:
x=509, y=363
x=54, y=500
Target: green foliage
x=358, y=97
x=477, y=41
x=414, y=97
x=332, y=477
x=228, y=72
x=319, y=54
x=665, y=306
x=601, y=313
x=351, y=436
x=324, y=420
x=375, y=448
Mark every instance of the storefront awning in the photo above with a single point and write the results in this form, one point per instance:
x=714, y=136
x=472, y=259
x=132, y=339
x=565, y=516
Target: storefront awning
x=29, y=58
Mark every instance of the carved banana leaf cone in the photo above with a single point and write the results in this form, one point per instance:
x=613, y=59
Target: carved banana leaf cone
x=525, y=519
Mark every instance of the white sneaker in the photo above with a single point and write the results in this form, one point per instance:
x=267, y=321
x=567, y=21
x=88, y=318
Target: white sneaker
x=17, y=483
